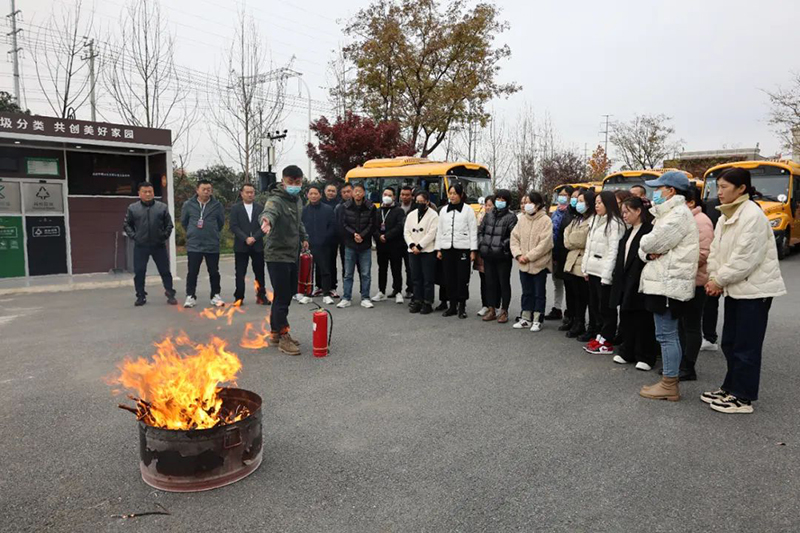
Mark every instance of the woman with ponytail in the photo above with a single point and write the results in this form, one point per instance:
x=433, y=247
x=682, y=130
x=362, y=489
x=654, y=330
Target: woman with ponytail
x=743, y=267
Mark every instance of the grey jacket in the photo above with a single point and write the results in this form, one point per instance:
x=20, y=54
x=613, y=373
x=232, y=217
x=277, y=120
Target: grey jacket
x=285, y=215
x=148, y=224
x=205, y=239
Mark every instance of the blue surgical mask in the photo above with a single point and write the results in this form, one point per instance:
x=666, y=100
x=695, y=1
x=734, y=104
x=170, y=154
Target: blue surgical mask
x=658, y=199
x=573, y=202
x=562, y=200
x=293, y=189
x=580, y=207
x=500, y=204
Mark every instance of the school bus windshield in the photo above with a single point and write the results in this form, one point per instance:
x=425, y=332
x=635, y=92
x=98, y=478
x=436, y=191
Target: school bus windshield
x=474, y=188
x=772, y=182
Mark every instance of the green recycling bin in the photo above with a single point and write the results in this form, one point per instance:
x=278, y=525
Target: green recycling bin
x=12, y=252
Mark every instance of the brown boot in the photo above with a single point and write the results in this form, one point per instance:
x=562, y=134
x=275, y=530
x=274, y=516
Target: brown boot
x=666, y=389
x=502, y=318
x=288, y=346
x=490, y=315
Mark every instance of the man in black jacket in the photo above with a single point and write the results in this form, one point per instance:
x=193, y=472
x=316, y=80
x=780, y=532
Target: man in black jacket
x=248, y=243
x=148, y=224
x=356, y=222
x=320, y=224
x=391, y=247
x=332, y=199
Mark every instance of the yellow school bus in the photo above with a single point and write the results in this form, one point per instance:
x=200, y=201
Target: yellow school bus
x=778, y=181
x=625, y=179
x=423, y=174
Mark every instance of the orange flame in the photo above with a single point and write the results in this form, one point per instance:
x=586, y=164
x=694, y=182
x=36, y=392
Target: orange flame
x=254, y=339
x=179, y=386
x=213, y=313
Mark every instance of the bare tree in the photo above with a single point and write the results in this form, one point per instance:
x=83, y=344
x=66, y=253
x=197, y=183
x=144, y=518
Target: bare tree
x=494, y=149
x=645, y=141
x=251, y=100
x=525, y=153
x=58, y=55
x=141, y=76
x=785, y=113
x=341, y=74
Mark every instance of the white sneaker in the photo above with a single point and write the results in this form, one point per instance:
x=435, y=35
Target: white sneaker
x=709, y=346
x=522, y=323
x=619, y=360
x=537, y=326
x=191, y=301
x=303, y=299
x=399, y=299
x=367, y=304
x=217, y=301
x=483, y=311
x=327, y=300
x=380, y=297
x=344, y=303
x=643, y=366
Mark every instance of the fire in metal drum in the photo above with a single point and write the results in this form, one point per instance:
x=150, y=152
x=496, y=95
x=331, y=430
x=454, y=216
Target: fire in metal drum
x=203, y=459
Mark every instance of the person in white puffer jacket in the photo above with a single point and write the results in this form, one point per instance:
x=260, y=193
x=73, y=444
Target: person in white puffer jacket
x=457, y=248
x=671, y=253
x=599, y=259
x=742, y=266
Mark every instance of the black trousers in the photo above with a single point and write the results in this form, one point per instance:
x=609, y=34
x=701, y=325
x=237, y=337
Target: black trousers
x=283, y=277
x=423, y=271
x=241, y=261
x=141, y=256
x=392, y=257
x=195, y=259
x=638, y=331
x=484, y=297
x=456, y=268
x=569, y=312
x=600, y=300
x=409, y=281
x=498, y=282
x=324, y=258
x=690, y=329
x=577, y=289
x=743, y=335
x=333, y=267
x=710, y=317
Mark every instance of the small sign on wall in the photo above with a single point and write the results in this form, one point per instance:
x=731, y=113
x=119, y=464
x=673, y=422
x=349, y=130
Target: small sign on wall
x=42, y=166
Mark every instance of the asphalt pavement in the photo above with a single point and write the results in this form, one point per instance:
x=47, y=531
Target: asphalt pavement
x=412, y=423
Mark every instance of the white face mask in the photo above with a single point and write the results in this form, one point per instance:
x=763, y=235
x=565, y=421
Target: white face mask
x=530, y=209
x=387, y=200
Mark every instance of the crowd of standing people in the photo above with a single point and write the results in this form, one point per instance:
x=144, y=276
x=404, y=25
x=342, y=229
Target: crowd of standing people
x=632, y=279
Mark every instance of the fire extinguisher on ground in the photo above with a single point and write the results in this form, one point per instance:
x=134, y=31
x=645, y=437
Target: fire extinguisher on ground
x=322, y=333
x=305, y=274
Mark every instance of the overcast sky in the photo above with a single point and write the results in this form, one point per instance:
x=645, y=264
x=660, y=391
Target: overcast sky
x=704, y=63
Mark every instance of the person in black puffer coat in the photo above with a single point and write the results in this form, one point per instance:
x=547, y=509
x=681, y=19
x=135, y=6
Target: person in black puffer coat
x=356, y=222
x=494, y=246
x=390, y=246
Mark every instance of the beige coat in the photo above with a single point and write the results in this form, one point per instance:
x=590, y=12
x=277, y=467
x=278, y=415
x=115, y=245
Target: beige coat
x=533, y=238
x=744, y=259
x=575, y=236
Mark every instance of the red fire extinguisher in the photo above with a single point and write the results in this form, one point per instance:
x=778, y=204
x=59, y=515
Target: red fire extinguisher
x=305, y=278
x=322, y=334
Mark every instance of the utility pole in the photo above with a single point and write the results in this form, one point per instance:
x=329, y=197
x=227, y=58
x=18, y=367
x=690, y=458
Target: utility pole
x=605, y=132
x=15, y=50
x=90, y=57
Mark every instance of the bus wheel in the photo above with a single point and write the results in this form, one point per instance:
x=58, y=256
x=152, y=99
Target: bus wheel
x=783, y=243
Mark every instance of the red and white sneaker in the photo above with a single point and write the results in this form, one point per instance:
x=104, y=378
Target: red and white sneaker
x=603, y=347
x=592, y=344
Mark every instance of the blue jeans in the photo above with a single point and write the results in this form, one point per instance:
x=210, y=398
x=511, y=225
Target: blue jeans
x=534, y=288
x=364, y=260
x=668, y=337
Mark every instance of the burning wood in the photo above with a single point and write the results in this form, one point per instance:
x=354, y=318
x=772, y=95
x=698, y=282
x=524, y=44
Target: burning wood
x=179, y=388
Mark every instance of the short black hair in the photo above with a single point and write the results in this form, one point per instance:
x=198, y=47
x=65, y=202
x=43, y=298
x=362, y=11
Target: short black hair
x=346, y=185
x=360, y=186
x=292, y=171
x=489, y=198
x=407, y=188
x=331, y=185
x=536, y=199
x=424, y=194
x=315, y=186
x=505, y=194
x=203, y=181
x=637, y=186
x=248, y=184
x=142, y=185
x=390, y=189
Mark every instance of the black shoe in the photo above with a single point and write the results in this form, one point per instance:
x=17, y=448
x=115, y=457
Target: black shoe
x=554, y=314
x=451, y=311
x=426, y=309
x=566, y=326
x=171, y=300
x=408, y=295
x=586, y=337
x=141, y=300
x=262, y=300
x=687, y=375
x=414, y=307
x=441, y=307
x=462, y=310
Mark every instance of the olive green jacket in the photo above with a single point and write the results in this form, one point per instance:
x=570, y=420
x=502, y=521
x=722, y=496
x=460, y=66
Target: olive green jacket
x=287, y=233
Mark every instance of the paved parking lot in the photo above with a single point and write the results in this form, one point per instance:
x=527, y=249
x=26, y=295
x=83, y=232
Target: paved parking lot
x=411, y=424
